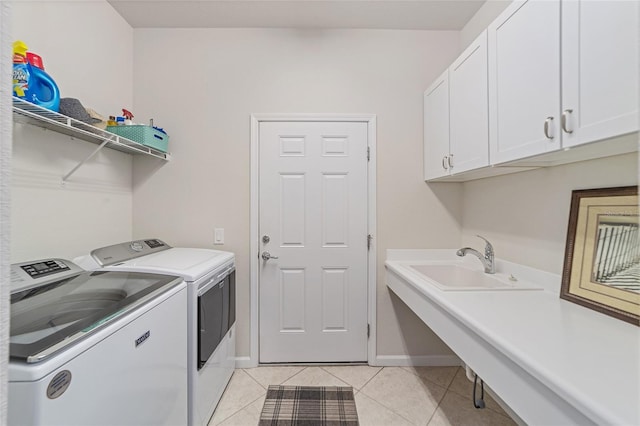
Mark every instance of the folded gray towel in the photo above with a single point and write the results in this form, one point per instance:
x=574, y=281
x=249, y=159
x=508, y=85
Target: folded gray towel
x=71, y=107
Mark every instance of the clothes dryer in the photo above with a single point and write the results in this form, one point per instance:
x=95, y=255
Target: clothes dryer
x=210, y=278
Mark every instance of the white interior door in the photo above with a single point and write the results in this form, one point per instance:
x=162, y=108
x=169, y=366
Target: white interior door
x=313, y=222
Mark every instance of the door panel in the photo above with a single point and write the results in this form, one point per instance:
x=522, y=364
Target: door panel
x=599, y=69
x=335, y=303
x=313, y=207
x=335, y=210
x=469, y=108
x=436, y=128
x=292, y=303
x=524, y=80
x=292, y=214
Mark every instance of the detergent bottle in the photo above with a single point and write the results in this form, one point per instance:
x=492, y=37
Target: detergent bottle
x=21, y=70
x=31, y=82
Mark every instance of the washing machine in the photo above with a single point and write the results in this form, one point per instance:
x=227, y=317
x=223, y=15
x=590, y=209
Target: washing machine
x=210, y=278
x=99, y=348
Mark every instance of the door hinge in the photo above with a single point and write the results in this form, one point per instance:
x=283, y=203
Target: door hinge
x=368, y=331
x=369, y=238
x=368, y=153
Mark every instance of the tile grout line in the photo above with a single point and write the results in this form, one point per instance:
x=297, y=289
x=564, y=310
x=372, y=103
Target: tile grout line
x=384, y=405
x=372, y=377
x=502, y=413
x=303, y=368
x=452, y=379
x=259, y=384
x=243, y=408
x=387, y=408
x=446, y=390
x=343, y=381
x=428, y=379
x=235, y=412
x=336, y=377
x=253, y=378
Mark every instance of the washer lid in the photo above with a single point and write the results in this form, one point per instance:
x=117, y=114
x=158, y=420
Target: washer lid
x=189, y=263
x=52, y=316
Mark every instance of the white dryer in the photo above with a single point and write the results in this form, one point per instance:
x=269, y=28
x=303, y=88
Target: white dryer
x=210, y=277
x=100, y=348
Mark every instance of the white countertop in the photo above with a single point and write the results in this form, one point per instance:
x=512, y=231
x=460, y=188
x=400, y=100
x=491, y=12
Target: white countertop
x=589, y=359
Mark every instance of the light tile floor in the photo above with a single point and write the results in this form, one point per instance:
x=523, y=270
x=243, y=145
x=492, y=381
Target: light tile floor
x=385, y=396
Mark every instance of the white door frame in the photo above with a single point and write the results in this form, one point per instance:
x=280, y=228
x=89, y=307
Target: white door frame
x=256, y=119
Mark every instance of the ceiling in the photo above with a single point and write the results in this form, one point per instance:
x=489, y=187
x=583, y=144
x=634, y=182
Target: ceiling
x=371, y=14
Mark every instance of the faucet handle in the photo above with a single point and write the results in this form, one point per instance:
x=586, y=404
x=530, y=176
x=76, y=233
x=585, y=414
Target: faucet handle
x=488, y=249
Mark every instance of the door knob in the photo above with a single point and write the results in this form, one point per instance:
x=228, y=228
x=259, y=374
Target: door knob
x=266, y=256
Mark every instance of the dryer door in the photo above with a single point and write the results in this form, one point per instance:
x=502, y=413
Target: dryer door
x=210, y=320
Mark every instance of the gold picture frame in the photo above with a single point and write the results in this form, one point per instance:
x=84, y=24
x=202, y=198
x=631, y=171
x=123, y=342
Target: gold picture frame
x=602, y=257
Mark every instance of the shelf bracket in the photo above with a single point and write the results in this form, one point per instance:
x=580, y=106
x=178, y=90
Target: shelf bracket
x=72, y=171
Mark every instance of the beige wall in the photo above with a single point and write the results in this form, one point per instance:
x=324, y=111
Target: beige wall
x=87, y=48
x=202, y=86
x=525, y=215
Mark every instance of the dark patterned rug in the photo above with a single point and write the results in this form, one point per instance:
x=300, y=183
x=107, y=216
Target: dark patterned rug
x=309, y=406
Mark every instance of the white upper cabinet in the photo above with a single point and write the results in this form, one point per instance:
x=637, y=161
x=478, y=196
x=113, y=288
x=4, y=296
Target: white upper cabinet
x=599, y=70
x=549, y=82
x=524, y=80
x=456, y=134
x=468, y=108
x=436, y=128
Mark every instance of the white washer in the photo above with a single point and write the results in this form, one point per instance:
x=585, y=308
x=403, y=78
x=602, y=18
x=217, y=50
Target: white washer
x=210, y=277
x=101, y=348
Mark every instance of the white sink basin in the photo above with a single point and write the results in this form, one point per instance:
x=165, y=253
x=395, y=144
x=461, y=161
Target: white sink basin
x=458, y=277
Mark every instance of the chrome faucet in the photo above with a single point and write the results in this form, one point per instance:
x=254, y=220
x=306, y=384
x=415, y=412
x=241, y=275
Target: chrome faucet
x=488, y=258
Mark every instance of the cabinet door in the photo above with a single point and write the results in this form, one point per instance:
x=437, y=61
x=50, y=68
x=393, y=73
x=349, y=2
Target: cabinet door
x=469, y=108
x=436, y=128
x=599, y=69
x=524, y=80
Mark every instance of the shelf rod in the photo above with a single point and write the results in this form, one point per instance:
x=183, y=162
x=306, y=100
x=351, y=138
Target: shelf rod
x=65, y=177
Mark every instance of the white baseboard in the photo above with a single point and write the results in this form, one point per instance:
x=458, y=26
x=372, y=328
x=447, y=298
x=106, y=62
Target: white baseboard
x=386, y=361
x=245, y=362
x=416, y=361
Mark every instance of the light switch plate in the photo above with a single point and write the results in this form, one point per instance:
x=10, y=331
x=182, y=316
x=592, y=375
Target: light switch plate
x=218, y=236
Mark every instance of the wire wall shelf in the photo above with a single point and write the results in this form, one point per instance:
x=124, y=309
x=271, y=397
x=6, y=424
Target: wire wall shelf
x=28, y=113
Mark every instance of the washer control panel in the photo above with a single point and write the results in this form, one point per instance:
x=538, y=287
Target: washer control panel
x=35, y=273
x=45, y=267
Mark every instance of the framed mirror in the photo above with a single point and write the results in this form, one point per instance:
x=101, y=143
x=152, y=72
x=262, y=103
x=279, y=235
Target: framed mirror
x=602, y=255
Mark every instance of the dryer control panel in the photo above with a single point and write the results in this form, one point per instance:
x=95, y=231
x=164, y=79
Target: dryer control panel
x=117, y=253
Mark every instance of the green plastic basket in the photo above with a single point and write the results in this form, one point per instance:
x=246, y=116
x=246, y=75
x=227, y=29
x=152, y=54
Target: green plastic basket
x=145, y=135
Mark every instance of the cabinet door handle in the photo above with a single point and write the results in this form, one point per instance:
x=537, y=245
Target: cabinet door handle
x=445, y=162
x=563, y=122
x=450, y=161
x=547, y=126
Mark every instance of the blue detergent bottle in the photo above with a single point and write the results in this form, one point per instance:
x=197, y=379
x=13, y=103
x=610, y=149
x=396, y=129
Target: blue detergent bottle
x=31, y=82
